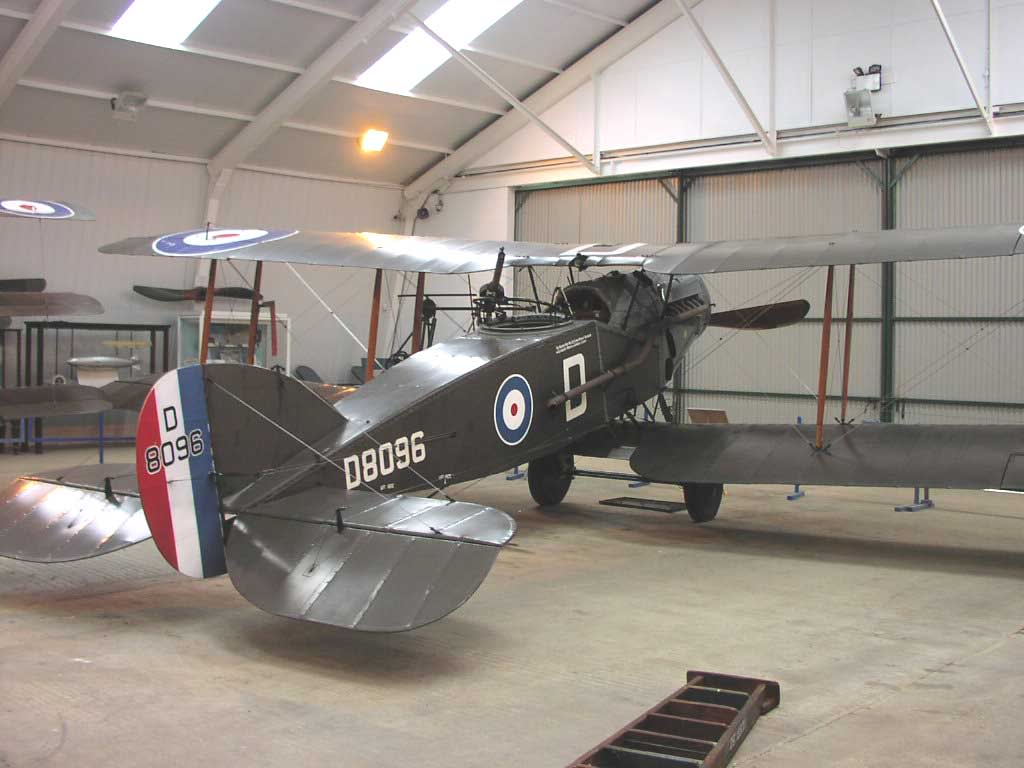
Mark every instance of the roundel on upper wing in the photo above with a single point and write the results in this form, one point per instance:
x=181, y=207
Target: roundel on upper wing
x=202, y=242
x=513, y=409
x=36, y=209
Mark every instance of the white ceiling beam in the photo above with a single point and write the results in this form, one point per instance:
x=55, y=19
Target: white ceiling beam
x=29, y=43
x=730, y=83
x=277, y=66
x=337, y=13
x=587, y=12
x=964, y=69
x=498, y=88
x=611, y=50
x=242, y=117
x=299, y=91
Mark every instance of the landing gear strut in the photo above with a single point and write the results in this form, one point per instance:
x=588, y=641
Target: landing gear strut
x=549, y=478
x=702, y=500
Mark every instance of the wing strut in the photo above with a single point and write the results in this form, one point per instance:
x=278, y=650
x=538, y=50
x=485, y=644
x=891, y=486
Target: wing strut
x=417, y=319
x=254, y=313
x=847, y=343
x=371, y=342
x=204, y=341
x=826, y=338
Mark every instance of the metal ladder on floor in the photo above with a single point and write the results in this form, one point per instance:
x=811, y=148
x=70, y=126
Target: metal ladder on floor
x=699, y=726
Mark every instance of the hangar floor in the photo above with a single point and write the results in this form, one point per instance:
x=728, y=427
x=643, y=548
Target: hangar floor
x=897, y=638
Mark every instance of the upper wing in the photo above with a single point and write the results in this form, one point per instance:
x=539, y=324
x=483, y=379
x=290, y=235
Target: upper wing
x=43, y=209
x=899, y=455
x=451, y=255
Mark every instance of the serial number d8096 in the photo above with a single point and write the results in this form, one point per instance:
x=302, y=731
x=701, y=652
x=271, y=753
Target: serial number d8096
x=385, y=459
x=179, y=449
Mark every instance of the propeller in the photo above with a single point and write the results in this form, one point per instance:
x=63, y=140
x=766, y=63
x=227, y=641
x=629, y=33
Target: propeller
x=763, y=317
x=192, y=294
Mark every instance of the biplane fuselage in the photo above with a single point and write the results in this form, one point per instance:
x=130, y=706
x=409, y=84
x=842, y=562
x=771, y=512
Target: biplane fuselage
x=482, y=402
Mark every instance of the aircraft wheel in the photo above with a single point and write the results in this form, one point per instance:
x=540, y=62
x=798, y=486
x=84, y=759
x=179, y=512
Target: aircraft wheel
x=549, y=478
x=702, y=500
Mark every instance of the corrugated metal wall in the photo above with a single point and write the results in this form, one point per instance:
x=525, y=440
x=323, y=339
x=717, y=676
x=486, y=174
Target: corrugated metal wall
x=783, y=362
x=621, y=212
x=771, y=376
x=972, y=347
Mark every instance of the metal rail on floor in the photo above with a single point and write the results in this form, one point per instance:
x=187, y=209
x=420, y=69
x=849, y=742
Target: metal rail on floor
x=699, y=726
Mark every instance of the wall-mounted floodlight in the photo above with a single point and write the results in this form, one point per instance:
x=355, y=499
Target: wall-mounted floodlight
x=859, y=112
x=373, y=140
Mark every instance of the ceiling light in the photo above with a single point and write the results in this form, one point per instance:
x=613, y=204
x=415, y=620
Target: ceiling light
x=373, y=140
x=417, y=55
x=159, y=22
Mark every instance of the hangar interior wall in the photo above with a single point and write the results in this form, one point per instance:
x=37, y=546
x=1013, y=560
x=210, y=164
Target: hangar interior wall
x=953, y=322
x=136, y=196
x=668, y=91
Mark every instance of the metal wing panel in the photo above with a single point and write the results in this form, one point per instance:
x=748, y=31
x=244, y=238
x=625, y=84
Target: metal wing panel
x=396, y=564
x=67, y=515
x=898, y=455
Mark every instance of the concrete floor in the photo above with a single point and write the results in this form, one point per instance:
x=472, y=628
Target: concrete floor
x=897, y=639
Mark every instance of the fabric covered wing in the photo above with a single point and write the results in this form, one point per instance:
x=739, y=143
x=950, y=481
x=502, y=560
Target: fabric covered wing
x=53, y=210
x=51, y=400
x=452, y=255
x=899, y=455
x=69, y=515
x=396, y=564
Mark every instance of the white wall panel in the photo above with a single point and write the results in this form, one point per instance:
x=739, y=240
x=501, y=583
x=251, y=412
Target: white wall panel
x=268, y=200
x=137, y=196
x=130, y=196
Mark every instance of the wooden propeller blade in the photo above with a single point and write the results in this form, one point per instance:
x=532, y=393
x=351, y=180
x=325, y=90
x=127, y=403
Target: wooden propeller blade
x=27, y=285
x=762, y=318
x=192, y=294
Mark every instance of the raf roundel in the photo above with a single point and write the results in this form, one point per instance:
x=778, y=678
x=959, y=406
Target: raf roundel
x=202, y=242
x=513, y=410
x=36, y=209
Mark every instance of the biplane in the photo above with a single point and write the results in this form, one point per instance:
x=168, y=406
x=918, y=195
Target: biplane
x=308, y=506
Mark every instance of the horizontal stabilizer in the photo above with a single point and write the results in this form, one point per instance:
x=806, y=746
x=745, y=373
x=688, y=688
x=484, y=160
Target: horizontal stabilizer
x=396, y=563
x=897, y=455
x=762, y=318
x=71, y=514
x=51, y=400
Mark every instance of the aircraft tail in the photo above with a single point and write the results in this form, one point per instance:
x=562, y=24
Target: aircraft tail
x=205, y=432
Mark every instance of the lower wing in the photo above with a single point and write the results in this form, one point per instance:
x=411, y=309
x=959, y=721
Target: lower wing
x=898, y=455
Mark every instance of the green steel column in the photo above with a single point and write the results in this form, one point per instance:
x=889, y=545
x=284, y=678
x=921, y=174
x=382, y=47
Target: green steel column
x=888, y=382
x=678, y=378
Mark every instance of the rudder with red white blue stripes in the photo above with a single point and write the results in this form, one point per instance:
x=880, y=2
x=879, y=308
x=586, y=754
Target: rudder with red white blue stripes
x=175, y=471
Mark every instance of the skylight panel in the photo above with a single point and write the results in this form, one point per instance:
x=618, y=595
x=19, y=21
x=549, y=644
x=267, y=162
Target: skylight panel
x=162, y=22
x=417, y=55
